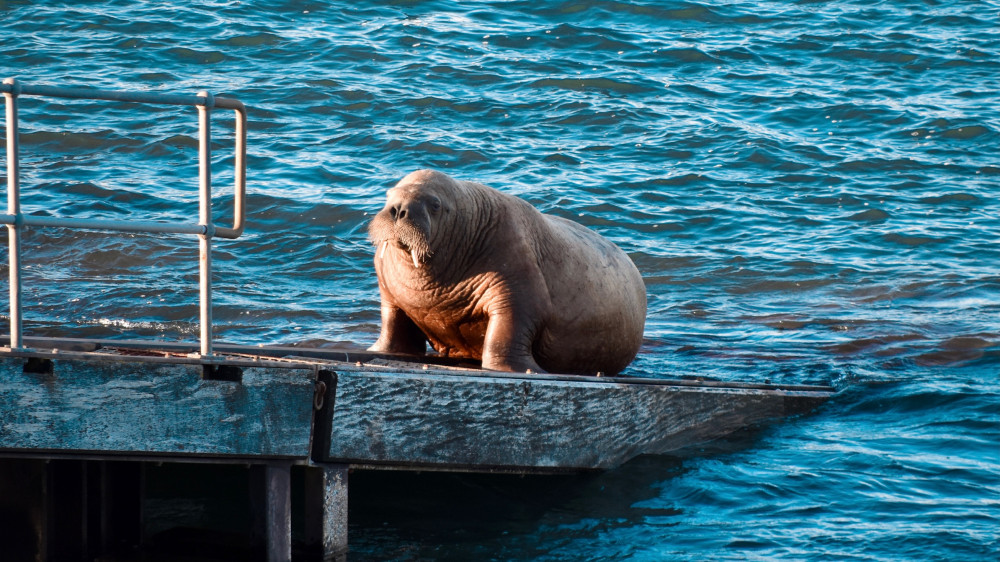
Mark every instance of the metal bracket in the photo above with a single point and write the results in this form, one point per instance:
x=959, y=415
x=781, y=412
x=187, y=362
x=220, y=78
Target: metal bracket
x=227, y=373
x=323, y=406
x=39, y=366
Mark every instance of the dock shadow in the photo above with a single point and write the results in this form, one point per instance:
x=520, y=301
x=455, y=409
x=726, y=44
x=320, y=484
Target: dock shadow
x=412, y=515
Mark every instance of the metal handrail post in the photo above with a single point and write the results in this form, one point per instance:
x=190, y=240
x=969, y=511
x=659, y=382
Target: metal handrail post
x=205, y=240
x=14, y=209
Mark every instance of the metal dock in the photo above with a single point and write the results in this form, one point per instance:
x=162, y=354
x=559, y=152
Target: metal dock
x=99, y=416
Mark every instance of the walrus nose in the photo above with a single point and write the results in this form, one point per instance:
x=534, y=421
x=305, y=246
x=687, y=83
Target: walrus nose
x=398, y=212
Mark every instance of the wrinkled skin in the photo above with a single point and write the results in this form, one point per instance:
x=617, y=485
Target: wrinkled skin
x=484, y=275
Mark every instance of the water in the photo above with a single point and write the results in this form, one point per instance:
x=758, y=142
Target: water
x=809, y=189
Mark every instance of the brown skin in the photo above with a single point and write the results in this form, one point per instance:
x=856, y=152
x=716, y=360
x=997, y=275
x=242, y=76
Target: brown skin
x=484, y=275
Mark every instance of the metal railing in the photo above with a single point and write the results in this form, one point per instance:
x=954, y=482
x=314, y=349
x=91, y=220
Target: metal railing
x=205, y=229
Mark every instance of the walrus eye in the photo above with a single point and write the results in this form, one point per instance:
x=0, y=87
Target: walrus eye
x=435, y=204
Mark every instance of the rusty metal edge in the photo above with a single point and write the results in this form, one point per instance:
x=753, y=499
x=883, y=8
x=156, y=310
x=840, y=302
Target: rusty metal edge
x=348, y=359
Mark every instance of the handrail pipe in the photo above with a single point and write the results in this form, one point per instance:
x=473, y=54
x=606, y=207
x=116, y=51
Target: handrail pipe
x=205, y=229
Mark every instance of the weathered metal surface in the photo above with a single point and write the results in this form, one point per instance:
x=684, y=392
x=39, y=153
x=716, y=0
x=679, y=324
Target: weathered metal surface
x=271, y=507
x=133, y=407
x=379, y=412
x=326, y=511
x=474, y=420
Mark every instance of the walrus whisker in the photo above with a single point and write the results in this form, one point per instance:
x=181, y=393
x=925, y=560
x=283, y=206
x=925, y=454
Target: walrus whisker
x=416, y=260
x=381, y=253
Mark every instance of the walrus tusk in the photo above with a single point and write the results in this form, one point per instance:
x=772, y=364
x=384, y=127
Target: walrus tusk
x=381, y=253
x=416, y=262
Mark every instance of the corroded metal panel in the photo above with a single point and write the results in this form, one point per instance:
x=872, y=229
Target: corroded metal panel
x=154, y=408
x=509, y=423
x=326, y=511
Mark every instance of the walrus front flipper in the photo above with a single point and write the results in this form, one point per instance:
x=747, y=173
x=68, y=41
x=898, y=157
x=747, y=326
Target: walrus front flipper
x=399, y=334
x=507, y=346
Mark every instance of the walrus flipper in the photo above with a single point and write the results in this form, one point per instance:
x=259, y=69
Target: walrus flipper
x=508, y=343
x=399, y=334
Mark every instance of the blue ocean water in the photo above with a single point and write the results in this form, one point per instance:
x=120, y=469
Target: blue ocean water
x=808, y=188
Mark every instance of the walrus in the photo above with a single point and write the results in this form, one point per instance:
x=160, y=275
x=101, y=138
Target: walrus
x=484, y=275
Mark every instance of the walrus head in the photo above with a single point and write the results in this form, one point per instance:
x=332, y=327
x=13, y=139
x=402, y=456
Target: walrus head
x=411, y=213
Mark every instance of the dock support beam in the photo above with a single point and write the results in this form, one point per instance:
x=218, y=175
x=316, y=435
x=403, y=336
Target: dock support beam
x=89, y=508
x=271, y=505
x=77, y=509
x=326, y=511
